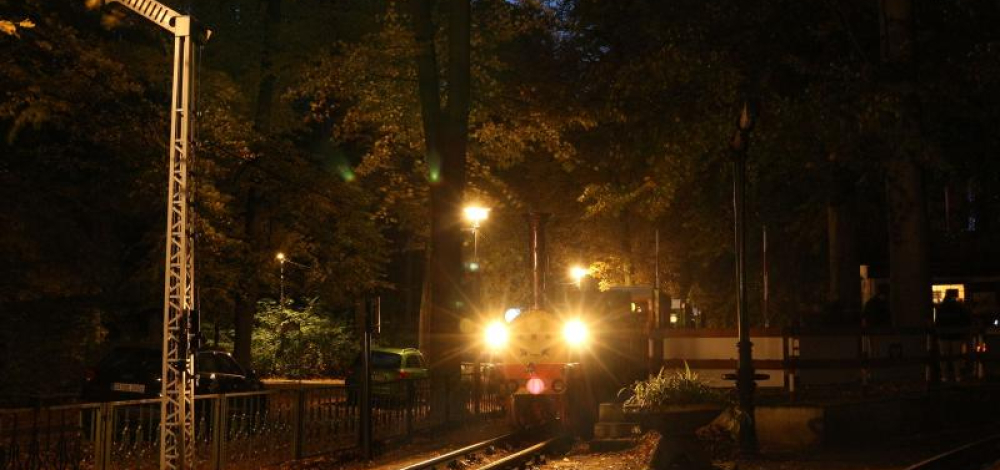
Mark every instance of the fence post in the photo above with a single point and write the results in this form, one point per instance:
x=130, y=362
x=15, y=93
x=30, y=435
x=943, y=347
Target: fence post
x=299, y=422
x=477, y=388
x=410, y=404
x=979, y=349
x=103, y=436
x=933, y=368
x=220, y=412
x=864, y=351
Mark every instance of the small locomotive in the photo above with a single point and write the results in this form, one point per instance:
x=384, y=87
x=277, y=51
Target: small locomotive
x=538, y=351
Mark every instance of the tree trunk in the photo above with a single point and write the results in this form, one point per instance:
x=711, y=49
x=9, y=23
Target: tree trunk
x=446, y=139
x=246, y=303
x=910, y=292
x=909, y=270
x=268, y=76
x=844, y=262
x=625, y=245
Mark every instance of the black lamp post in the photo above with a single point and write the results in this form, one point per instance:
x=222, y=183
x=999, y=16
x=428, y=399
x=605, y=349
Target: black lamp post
x=745, y=377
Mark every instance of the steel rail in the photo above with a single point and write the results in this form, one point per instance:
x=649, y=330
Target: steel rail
x=456, y=454
x=972, y=456
x=520, y=457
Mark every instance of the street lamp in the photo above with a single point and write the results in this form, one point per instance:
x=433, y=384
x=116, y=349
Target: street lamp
x=577, y=273
x=745, y=375
x=476, y=215
x=281, y=269
x=282, y=259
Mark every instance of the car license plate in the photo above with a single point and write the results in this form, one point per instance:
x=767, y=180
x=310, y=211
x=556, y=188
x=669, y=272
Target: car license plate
x=134, y=388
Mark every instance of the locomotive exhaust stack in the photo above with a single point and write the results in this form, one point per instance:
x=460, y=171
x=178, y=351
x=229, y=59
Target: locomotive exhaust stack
x=538, y=258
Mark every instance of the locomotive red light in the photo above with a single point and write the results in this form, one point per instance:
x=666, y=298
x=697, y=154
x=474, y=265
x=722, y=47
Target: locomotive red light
x=535, y=386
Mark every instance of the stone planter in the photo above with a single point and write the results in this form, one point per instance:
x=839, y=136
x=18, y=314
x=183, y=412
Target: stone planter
x=679, y=446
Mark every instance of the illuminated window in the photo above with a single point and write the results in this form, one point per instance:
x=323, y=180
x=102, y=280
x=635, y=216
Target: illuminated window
x=939, y=291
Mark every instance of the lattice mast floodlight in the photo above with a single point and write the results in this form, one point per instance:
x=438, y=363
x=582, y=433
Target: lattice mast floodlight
x=177, y=406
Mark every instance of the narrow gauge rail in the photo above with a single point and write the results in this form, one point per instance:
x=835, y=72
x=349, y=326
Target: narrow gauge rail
x=514, y=460
x=983, y=454
x=521, y=457
x=445, y=460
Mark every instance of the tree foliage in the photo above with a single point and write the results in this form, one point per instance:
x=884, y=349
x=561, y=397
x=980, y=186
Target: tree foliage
x=613, y=116
x=301, y=342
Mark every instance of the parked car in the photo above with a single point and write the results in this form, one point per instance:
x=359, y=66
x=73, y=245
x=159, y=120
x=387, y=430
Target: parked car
x=133, y=373
x=391, y=368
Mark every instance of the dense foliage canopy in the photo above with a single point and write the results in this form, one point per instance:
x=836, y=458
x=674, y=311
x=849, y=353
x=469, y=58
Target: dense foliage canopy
x=615, y=116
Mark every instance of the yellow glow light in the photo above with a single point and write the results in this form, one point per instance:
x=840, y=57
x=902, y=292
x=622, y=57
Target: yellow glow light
x=280, y=256
x=496, y=335
x=575, y=333
x=476, y=214
x=578, y=273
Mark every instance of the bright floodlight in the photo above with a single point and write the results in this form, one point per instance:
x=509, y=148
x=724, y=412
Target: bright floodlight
x=496, y=335
x=511, y=314
x=578, y=273
x=575, y=333
x=476, y=214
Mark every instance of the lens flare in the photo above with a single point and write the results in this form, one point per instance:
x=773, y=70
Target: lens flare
x=575, y=333
x=496, y=335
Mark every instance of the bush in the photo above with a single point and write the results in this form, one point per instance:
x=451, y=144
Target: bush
x=681, y=387
x=301, y=343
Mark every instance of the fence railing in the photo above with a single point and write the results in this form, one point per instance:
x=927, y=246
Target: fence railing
x=798, y=357
x=232, y=431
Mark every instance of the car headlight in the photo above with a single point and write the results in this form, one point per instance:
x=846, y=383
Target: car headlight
x=575, y=333
x=496, y=335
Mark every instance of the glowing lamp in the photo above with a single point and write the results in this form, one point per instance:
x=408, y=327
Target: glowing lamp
x=535, y=386
x=496, y=335
x=476, y=214
x=575, y=333
x=577, y=273
x=511, y=314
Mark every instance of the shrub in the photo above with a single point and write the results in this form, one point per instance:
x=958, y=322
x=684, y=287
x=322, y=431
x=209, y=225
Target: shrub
x=299, y=343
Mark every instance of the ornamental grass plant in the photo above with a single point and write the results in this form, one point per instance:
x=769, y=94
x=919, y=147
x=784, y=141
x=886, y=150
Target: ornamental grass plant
x=679, y=387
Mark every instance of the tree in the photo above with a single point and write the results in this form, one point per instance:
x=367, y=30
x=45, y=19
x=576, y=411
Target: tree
x=446, y=137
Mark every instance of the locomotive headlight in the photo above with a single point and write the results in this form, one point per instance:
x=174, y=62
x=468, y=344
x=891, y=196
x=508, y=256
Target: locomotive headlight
x=496, y=335
x=575, y=333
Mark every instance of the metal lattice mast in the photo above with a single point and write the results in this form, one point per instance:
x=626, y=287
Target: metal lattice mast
x=177, y=405
x=177, y=408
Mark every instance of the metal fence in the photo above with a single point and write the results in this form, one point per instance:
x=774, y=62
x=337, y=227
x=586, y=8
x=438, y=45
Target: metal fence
x=796, y=359
x=233, y=431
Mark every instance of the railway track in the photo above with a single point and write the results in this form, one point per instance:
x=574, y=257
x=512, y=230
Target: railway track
x=466, y=456
x=983, y=454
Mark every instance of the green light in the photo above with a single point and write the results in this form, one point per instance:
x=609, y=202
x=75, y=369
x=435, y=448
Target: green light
x=346, y=173
x=434, y=167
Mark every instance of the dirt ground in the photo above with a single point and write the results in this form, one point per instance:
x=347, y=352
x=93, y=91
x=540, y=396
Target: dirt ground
x=417, y=449
x=889, y=455
x=580, y=457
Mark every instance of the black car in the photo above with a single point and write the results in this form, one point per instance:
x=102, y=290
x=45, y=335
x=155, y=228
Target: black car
x=134, y=373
